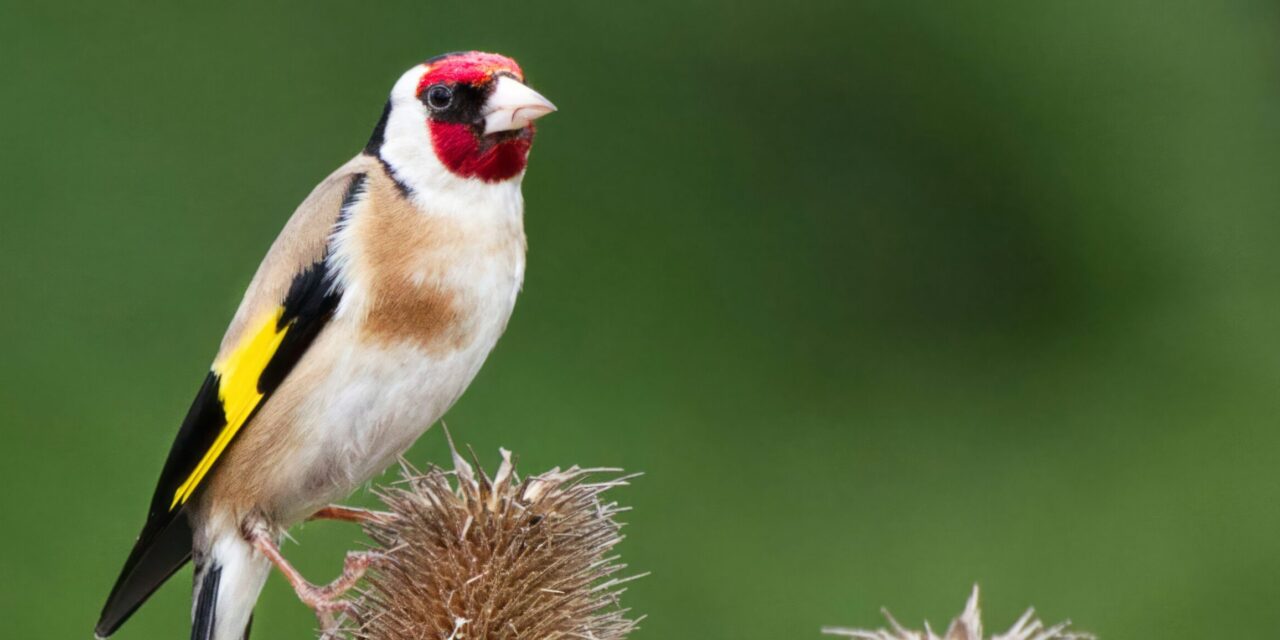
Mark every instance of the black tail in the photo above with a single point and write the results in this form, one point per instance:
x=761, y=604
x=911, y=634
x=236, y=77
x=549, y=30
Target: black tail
x=204, y=621
x=158, y=554
x=205, y=618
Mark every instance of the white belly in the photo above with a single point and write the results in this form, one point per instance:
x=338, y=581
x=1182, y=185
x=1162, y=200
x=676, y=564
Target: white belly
x=373, y=403
x=377, y=401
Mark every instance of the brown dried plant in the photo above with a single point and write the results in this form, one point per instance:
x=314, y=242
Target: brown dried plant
x=966, y=627
x=468, y=556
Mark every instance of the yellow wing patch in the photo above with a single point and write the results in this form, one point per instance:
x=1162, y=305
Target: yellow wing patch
x=238, y=376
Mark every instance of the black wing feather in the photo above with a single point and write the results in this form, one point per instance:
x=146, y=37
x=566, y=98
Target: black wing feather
x=164, y=545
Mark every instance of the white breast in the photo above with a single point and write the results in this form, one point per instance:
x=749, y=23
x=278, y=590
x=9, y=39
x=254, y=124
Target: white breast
x=376, y=401
x=380, y=392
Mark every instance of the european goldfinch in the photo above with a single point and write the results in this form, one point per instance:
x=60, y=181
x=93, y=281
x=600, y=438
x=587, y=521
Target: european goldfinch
x=369, y=316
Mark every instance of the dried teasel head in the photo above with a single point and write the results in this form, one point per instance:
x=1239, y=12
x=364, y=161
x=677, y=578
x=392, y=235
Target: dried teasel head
x=967, y=627
x=468, y=556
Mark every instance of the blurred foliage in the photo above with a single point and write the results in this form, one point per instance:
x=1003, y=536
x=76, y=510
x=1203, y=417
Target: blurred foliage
x=885, y=298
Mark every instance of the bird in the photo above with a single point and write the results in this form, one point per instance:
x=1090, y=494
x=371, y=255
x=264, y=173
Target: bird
x=370, y=314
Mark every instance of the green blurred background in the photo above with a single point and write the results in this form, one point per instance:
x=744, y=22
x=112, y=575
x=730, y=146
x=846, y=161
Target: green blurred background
x=885, y=298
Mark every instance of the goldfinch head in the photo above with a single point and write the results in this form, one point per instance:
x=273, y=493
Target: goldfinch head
x=469, y=114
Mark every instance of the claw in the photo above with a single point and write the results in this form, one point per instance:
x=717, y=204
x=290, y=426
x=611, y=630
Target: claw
x=325, y=600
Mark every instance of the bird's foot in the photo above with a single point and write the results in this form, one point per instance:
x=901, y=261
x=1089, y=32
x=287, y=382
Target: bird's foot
x=326, y=600
x=329, y=596
x=353, y=514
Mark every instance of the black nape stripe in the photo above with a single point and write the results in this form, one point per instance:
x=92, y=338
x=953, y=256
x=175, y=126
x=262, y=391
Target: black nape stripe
x=374, y=147
x=404, y=189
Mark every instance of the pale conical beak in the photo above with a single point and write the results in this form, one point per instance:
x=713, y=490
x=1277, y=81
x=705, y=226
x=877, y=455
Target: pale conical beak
x=512, y=106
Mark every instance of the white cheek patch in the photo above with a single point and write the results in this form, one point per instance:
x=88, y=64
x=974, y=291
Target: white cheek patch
x=408, y=151
x=407, y=143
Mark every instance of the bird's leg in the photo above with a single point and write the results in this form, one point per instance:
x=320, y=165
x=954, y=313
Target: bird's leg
x=325, y=600
x=352, y=514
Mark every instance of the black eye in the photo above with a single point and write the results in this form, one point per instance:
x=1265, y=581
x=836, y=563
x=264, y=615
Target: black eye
x=439, y=97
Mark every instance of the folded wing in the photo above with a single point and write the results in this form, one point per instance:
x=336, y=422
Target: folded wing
x=290, y=300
